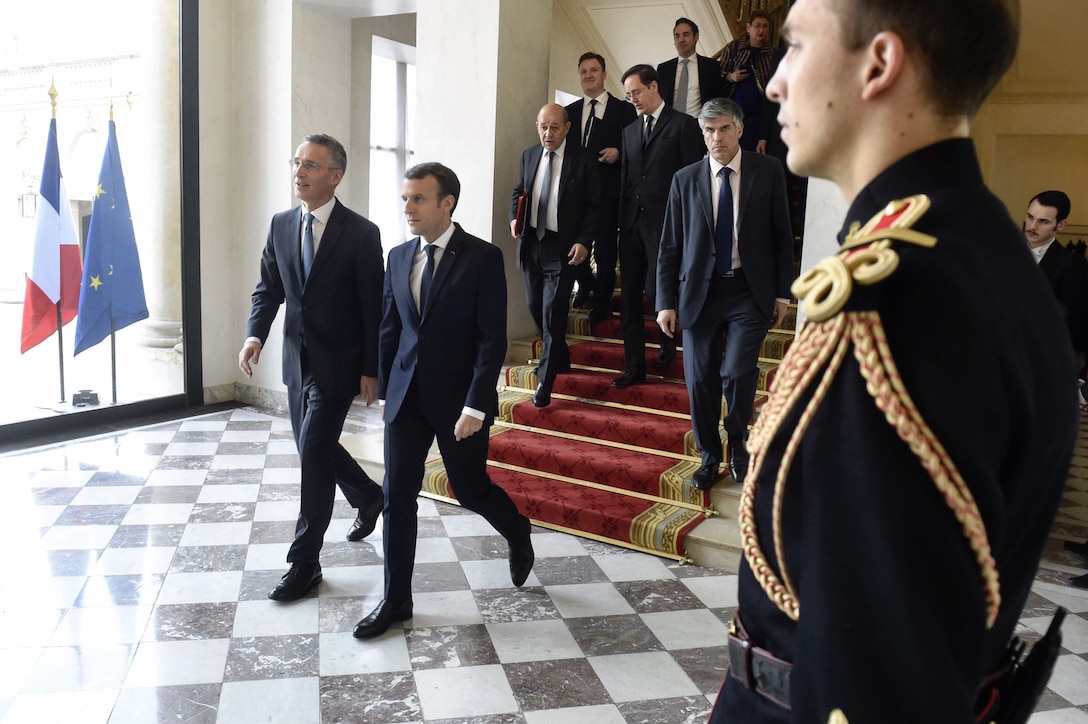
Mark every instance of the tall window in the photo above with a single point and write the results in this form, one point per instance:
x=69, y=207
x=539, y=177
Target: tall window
x=392, y=126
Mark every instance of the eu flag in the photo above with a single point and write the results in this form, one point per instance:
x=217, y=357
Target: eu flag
x=111, y=296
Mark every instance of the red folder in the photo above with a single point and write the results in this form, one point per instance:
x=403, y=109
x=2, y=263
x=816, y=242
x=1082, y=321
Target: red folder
x=522, y=213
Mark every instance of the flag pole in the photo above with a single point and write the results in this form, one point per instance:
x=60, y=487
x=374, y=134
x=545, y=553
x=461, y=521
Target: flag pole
x=60, y=315
x=113, y=327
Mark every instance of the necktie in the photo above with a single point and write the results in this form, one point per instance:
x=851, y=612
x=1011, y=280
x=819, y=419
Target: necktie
x=545, y=191
x=589, y=123
x=307, y=246
x=723, y=226
x=680, y=103
x=649, y=128
x=427, y=278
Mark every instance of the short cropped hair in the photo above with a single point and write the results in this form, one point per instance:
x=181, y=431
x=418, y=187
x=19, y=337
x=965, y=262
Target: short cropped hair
x=592, y=56
x=646, y=73
x=686, y=21
x=335, y=148
x=720, y=108
x=1054, y=199
x=964, y=47
x=448, y=184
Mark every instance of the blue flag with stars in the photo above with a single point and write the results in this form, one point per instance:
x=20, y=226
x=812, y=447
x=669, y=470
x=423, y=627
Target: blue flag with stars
x=111, y=296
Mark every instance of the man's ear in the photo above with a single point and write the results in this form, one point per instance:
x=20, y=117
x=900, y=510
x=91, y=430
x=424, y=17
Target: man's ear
x=884, y=62
x=1060, y=225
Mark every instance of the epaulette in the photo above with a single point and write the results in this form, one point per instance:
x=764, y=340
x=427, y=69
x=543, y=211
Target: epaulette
x=814, y=359
x=866, y=257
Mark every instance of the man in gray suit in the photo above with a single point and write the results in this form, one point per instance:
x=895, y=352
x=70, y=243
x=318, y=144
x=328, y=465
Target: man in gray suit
x=724, y=269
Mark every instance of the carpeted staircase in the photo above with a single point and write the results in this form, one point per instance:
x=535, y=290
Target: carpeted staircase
x=613, y=464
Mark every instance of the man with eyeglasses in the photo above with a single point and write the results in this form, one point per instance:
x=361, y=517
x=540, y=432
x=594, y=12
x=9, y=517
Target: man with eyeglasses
x=325, y=261
x=658, y=144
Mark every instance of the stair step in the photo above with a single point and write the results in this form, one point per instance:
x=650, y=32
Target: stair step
x=640, y=429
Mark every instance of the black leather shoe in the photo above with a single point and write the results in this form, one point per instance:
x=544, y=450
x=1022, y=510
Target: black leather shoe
x=1080, y=581
x=598, y=316
x=705, y=477
x=581, y=299
x=381, y=618
x=666, y=355
x=1078, y=548
x=542, y=397
x=629, y=378
x=297, y=582
x=521, y=561
x=366, y=521
x=738, y=465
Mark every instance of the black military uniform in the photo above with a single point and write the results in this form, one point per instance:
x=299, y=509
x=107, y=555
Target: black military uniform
x=908, y=467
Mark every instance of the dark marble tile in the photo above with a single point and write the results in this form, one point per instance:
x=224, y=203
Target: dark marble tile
x=608, y=635
x=571, y=569
x=53, y=496
x=129, y=590
x=555, y=684
x=1050, y=701
x=654, y=596
x=197, y=559
x=480, y=548
x=347, y=553
x=281, y=435
x=681, y=710
x=271, y=492
x=222, y=512
x=507, y=605
x=281, y=461
x=103, y=477
x=147, y=536
x=339, y=615
x=272, y=531
x=259, y=425
x=430, y=528
x=451, y=509
x=447, y=576
x=389, y=698
x=600, y=548
x=129, y=447
x=241, y=448
x=185, y=462
x=725, y=615
x=706, y=667
x=256, y=585
x=690, y=570
x=92, y=515
x=510, y=718
x=447, y=647
x=234, y=477
x=198, y=435
x=1036, y=605
x=272, y=657
x=168, y=494
x=193, y=704
x=191, y=621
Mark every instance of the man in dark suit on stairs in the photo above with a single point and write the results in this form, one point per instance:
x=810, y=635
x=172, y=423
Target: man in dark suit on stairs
x=442, y=346
x=559, y=183
x=325, y=261
x=659, y=144
x=724, y=268
x=688, y=91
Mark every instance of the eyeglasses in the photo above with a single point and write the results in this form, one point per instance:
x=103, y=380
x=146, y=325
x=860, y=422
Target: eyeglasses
x=634, y=95
x=309, y=165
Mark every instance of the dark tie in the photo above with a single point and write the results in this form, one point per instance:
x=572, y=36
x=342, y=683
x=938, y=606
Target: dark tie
x=589, y=122
x=427, y=278
x=649, y=129
x=723, y=226
x=307, y=246
x=545, y=191
x=680, y=103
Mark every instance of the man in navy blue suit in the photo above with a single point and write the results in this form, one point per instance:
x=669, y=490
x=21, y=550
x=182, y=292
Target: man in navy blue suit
x=442, y=346
x=325, y=261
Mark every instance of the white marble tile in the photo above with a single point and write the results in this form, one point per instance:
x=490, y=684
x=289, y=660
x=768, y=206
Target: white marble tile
x=229, y=494
x=108, y=625
x=633, y=567
x=714, y=591
x=493, y=573
x=15, y=667
x=1059, y=716
x=216, y=534
x=238, y=462
x=490, y=692
x=244, y=436
x=44, y=516
x=126, y=561
x=157, y=513
x=176, y=477
x=588, y=599
x=533, y=641
x=465, y=525
x=150, y=436
x=342, y=654
x=282, y=700
x=107, y=495
x=61, y=478
x=352, y=581
x=444, y=608
x=64, y=707
x=46, y=592
x=600, y=714
x=425, y=507
x=687, y=629
x=269, y=618
x=29, y=627
x=635, y=677
x=557, y=545
x=276, y=510
x=1075, y=600
x=77, y=537
x=191, y=448
x=1070, y=679
x=437, y=550
x=204, y=587
x=70, y=668
x=1074, y=631
x=203, y=425
x=281, y=447
x=170, y=663
x=267, y=556
x=282, y=476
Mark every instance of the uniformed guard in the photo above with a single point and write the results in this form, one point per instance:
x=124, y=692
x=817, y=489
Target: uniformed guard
x=910, y=461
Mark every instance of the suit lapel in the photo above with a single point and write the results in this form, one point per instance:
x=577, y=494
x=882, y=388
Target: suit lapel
x=333, y=230
x=450, y=256
x=705, y=188
x=748, y=179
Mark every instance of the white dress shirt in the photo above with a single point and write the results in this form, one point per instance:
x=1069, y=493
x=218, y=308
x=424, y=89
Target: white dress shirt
x=695, y=103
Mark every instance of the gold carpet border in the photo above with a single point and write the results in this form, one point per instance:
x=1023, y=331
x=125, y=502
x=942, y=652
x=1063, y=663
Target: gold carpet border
x=660, y=526
x=605, y=403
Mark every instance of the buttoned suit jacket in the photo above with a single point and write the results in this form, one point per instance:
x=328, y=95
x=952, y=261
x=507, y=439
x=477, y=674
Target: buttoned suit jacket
x=646, y=173
x=455, y=349
x=607, y=132
x=1067, y=273
x=711, y=83
x=686, y=256
x=335, y=313
x=579, y=210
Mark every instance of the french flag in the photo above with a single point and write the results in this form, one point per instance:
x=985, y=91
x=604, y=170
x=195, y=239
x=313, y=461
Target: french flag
x=56, y=268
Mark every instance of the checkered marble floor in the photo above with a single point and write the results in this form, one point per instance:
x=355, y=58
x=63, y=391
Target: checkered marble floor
x=138, y=565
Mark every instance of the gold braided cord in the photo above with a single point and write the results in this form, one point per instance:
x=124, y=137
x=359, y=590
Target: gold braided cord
x=886, y=387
